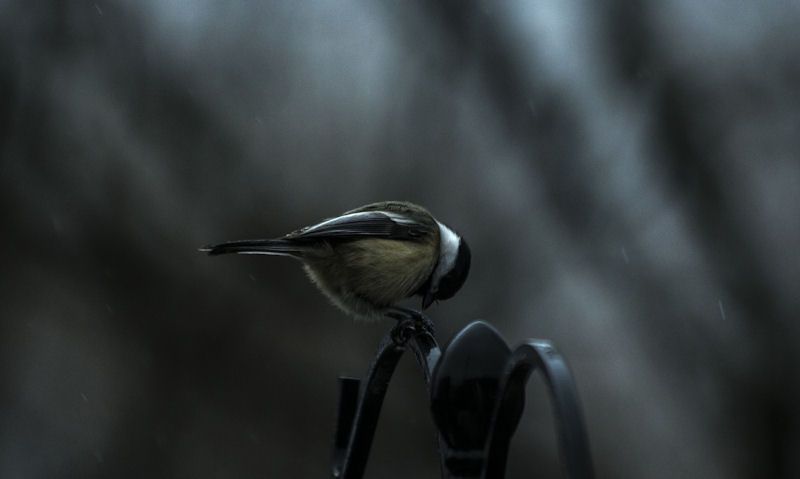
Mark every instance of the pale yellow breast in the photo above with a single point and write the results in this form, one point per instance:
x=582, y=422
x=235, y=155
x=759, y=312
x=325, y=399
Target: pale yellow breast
x=385, y=271
x=366, y=276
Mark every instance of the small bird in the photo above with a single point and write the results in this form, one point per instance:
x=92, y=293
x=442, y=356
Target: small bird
x=370, y=258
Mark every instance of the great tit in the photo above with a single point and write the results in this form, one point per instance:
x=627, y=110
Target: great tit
x=370, y=258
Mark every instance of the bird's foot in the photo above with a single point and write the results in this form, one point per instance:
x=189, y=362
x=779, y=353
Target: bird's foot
x=403, y=331
x=409, y=322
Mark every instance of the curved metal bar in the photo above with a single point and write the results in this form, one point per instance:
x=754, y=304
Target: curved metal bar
x=573, y=441
x=352, y=460
x=348, y=405
x=414, y=325
x=426, y=351
x=350, y=456
x=464, y=394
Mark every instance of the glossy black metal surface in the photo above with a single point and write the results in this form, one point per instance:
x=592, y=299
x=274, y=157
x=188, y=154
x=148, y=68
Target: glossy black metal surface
x=464, y=391
x=477, y=390
x=348, y=405
x=353, y=459
x=426, y=351
x=358, y=414
x=573, y=441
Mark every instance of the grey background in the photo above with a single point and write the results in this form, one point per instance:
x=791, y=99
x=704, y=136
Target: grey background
x=626, y=173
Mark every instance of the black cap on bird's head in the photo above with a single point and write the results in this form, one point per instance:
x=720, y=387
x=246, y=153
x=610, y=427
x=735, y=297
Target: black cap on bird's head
x=448, y=284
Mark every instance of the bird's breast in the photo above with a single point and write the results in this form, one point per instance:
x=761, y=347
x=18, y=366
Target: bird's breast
x=378, y=270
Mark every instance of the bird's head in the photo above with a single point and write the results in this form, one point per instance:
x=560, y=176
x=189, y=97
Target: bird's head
x=452, y=268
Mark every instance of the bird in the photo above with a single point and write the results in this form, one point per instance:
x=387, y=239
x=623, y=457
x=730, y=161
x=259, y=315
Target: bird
x=370, y=258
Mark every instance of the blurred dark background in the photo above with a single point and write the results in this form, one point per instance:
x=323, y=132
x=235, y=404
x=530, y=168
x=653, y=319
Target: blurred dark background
x=626, y=173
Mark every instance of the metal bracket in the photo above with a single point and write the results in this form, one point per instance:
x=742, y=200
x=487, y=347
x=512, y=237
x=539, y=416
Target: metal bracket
x=477, y=389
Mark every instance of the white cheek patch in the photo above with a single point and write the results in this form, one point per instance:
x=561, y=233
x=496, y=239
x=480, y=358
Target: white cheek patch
x=448, y=252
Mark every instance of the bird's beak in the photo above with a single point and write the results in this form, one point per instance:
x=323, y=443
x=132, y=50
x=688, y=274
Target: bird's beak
x=427, y=300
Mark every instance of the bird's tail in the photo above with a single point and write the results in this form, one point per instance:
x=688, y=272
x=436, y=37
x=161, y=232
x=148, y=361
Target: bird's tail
x=279, y=247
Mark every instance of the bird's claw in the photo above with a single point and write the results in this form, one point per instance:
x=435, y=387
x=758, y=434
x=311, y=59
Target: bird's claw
x=409, y=323
x=403, y=331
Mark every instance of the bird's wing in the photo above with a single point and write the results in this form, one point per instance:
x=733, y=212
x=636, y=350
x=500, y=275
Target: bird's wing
x=375, y=224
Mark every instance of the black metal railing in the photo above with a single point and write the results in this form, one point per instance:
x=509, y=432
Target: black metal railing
x=477, y=389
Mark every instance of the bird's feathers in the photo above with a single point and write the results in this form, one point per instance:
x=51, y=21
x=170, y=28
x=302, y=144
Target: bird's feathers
x=374, y=224
x=391, y=224
x=369, y=258
x=279, y=247
x=367, y=275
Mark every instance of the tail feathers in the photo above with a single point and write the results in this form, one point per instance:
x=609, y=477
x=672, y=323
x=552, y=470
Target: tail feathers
x=280, y=247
